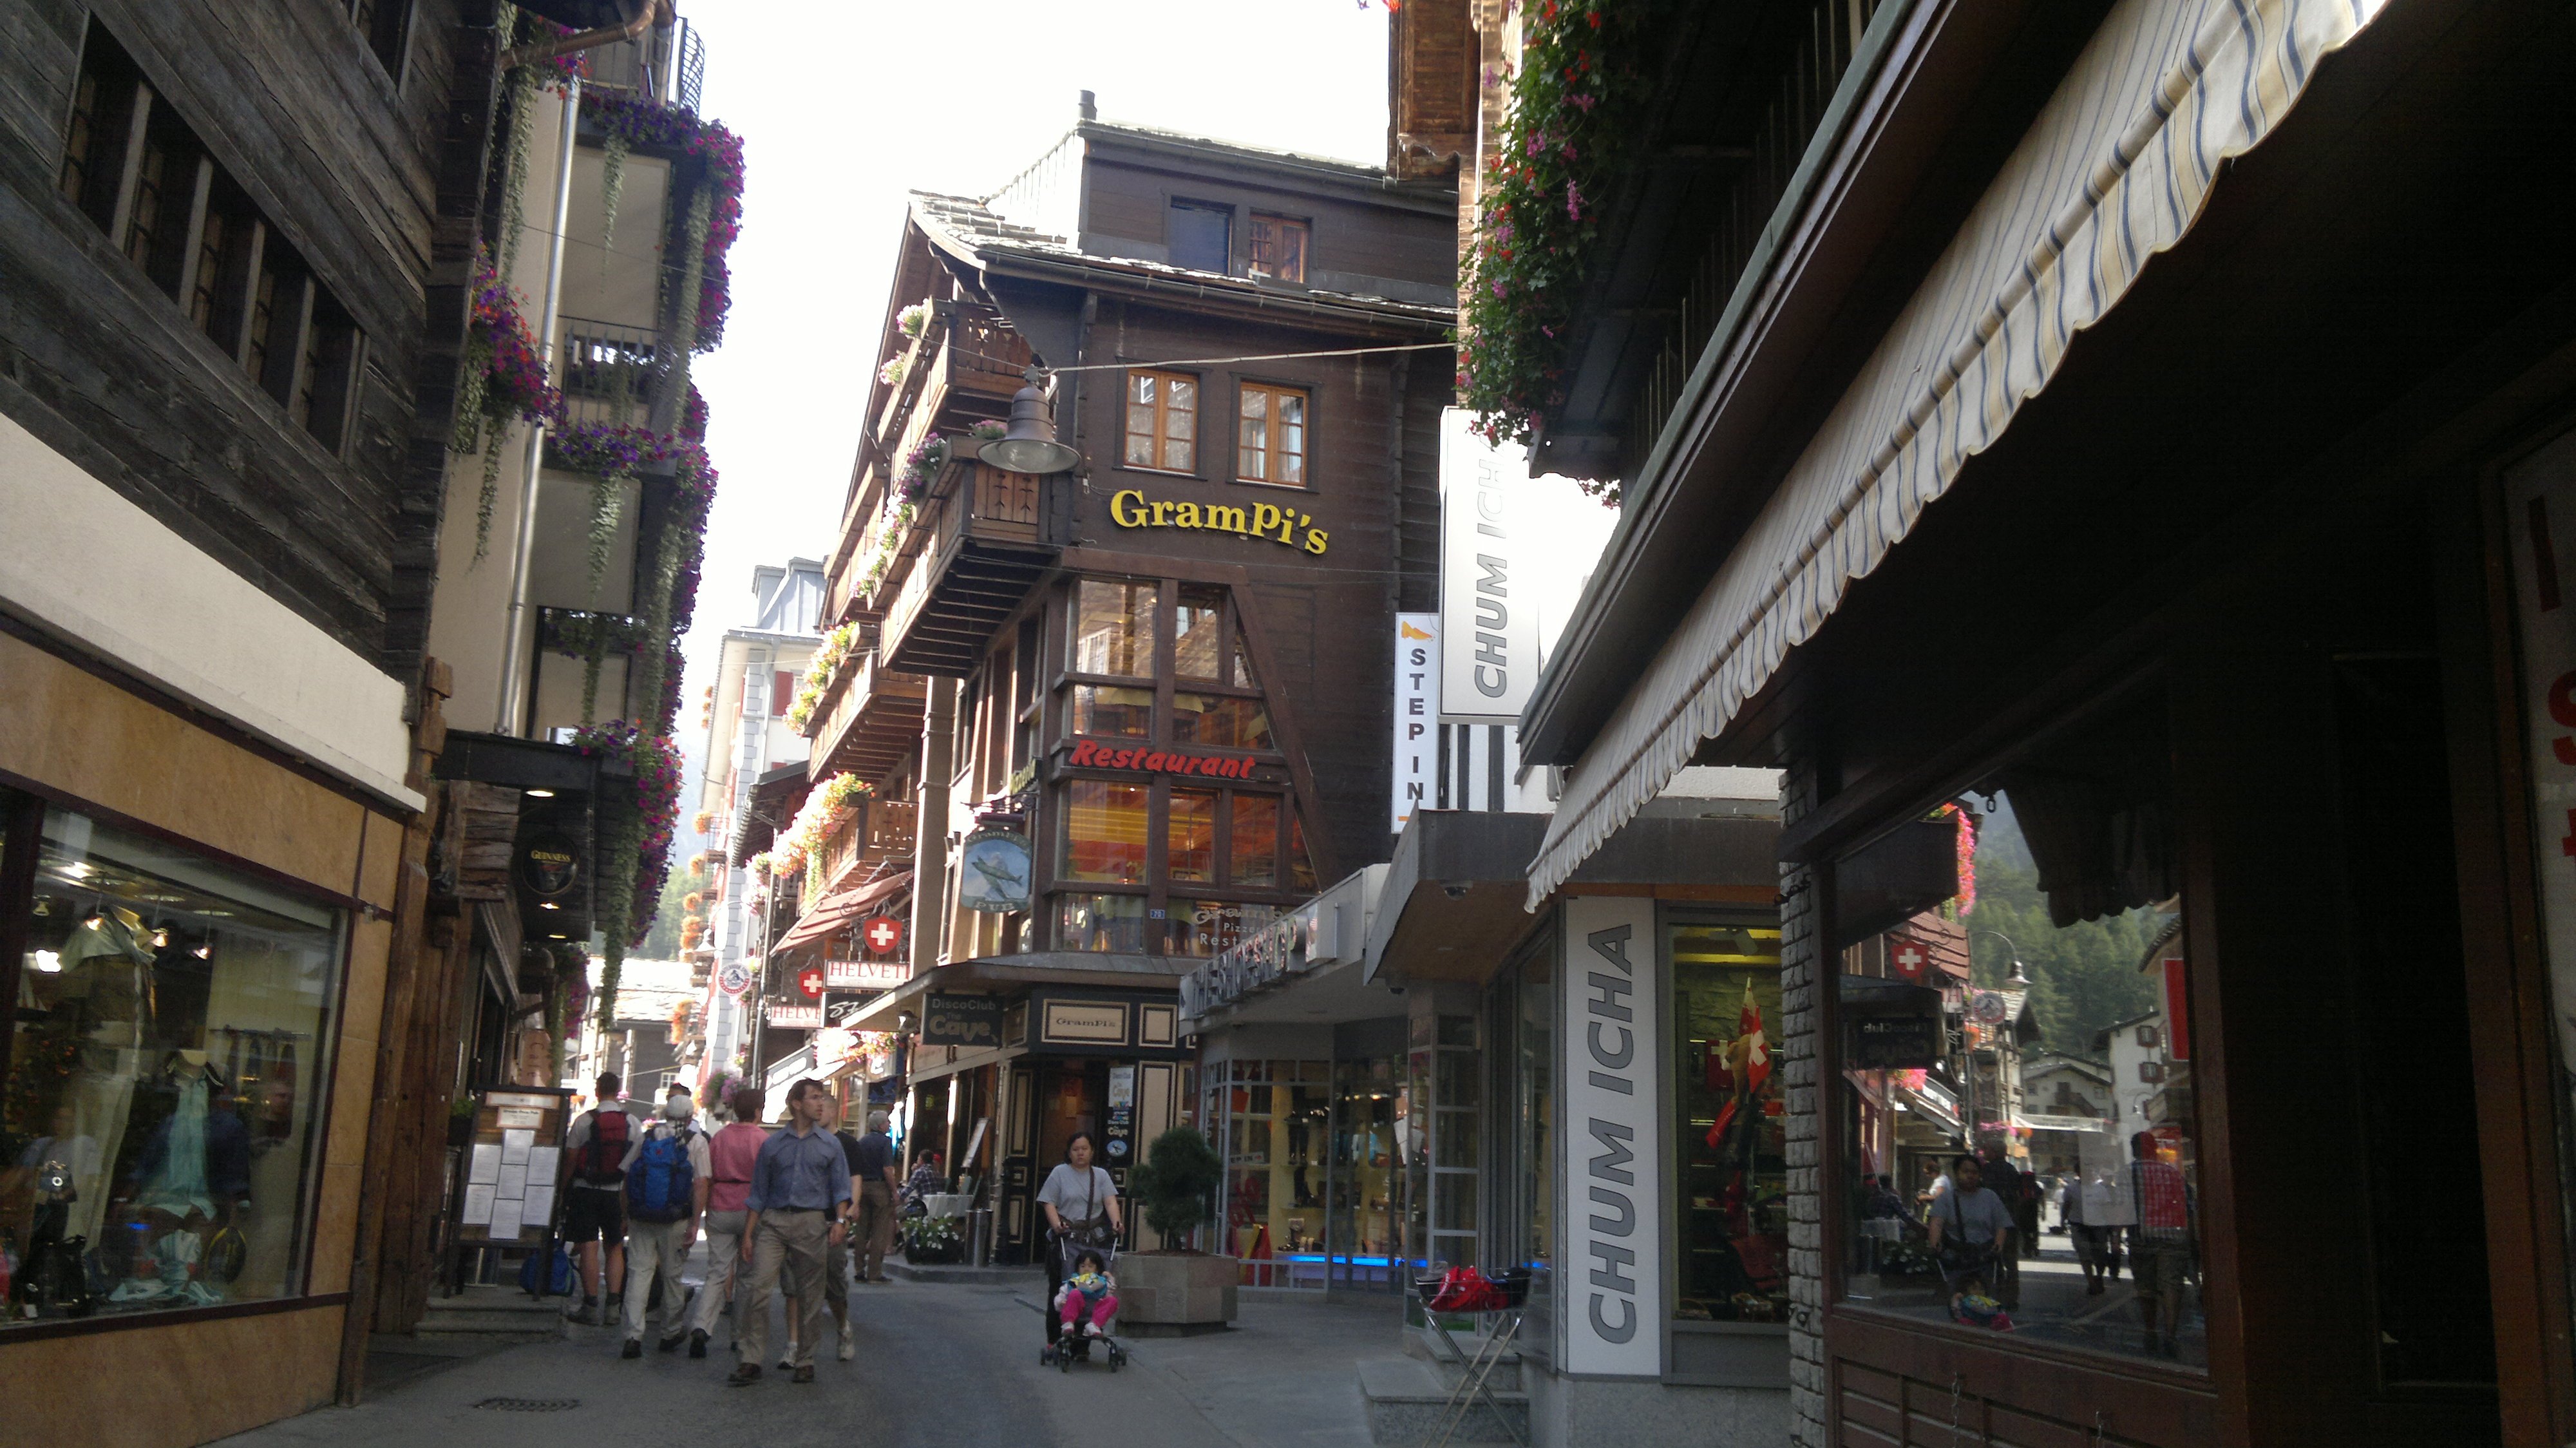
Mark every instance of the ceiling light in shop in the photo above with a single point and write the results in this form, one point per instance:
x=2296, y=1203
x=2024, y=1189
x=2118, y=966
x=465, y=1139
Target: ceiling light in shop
x=541, y=794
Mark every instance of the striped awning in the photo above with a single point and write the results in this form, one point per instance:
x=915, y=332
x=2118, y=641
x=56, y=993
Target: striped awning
x=2116, y=167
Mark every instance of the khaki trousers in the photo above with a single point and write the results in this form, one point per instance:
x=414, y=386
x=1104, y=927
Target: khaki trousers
x=654, y=1247
x=875, y=1235
x=793, y=1243
x=724, y=1256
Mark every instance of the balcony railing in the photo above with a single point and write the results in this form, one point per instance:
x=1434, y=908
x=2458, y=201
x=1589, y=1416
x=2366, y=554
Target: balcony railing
x=883, y=830
x=981, y=534
x=871, y=719
x=605, y=371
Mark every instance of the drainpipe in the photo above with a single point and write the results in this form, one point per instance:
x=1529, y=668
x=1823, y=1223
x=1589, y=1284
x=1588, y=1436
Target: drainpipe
x=515, y=652
x=656, y=14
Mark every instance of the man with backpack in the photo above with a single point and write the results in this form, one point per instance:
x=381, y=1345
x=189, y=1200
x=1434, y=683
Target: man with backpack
x=594, y=1195
x=667, y=1180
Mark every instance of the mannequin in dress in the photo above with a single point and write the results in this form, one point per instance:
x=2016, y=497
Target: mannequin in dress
x=107, y=989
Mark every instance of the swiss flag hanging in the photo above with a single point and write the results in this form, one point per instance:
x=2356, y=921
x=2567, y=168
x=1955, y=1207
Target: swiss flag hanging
x=883, y=934
x=1911, y=957
x=810, y=981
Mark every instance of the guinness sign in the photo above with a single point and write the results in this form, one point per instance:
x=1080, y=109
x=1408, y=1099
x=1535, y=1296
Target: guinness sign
x=549, y=865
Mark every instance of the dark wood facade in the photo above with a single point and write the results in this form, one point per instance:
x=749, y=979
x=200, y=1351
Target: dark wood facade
x=2258, y=515
x=367, y=178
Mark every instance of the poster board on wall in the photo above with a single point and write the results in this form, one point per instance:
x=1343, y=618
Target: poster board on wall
x=511, y=1165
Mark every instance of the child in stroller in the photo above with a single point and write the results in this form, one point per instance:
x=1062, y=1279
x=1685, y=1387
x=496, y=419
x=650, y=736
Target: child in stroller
x=1086, y=1307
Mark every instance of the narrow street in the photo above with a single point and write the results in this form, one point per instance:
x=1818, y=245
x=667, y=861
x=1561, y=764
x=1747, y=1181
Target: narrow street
x=937, y=1365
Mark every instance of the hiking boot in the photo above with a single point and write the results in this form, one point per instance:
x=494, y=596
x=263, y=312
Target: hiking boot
x=672, y=1343
x=634, y=1348
x=804, y=1374
x=787, y=1361
x=849, y=1343
x=744, y=1376
x=588, y=1314
x=697, y=1344
x=615, y=1305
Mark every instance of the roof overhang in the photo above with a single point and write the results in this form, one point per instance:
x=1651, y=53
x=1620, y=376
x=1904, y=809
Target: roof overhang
x=1455, y=900
x=1010, y=974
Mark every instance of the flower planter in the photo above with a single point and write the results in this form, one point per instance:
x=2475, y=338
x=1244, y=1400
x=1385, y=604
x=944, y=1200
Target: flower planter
x=1175, y=1294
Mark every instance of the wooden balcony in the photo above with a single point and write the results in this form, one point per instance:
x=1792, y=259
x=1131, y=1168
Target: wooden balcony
x=871, y=719
x=879, y=832
x=985, y=537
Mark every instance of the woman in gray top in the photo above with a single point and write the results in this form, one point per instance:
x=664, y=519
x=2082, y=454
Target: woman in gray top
x=1075, y=1198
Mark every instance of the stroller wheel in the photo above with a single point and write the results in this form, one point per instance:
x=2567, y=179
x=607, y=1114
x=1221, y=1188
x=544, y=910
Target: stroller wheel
x=1063, y=1361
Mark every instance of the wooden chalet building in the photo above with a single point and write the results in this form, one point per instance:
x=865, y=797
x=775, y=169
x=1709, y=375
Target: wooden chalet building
x=1138, y=707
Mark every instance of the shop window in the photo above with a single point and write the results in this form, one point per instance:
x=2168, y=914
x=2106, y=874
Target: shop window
x=1270, y=435
x=1108, y=923
x=1254, y=856
x=1277, y=1125
x=1190, y=836
x=1103, y=835
x=2062, y=862
x=1110, y=711
x=1732, y=1171
x=1162, y=421
x=1202, y=928
x=1223, y=720
x=1198, y=633
x=1368, y=1176
x=1278, y=248
x=1113, y=628
x=167, y=1046
x=1301, y=865
x=1200, y=236
x=1444, y=1123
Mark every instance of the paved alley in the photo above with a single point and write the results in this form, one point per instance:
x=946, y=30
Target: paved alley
x=937, y=1365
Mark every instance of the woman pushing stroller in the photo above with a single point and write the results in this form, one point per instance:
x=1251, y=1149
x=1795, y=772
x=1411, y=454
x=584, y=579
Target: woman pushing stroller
x=1081, y=1205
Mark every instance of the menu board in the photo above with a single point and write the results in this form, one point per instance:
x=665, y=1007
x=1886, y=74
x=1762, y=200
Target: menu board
x=507, y=1193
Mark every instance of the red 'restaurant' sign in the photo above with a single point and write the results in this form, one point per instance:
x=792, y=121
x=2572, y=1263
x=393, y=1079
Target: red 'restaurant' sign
x=1088, y=754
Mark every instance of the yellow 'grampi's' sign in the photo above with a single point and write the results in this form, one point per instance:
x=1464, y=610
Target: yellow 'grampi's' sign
x=1266, y=521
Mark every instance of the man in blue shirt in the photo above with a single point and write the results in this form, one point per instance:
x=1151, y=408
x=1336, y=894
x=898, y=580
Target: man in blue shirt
x=799, y=1181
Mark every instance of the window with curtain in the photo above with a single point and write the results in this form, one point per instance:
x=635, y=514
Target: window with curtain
x=1278, y=248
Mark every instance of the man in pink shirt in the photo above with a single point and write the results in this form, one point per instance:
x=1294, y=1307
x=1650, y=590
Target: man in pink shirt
x=730, y=1153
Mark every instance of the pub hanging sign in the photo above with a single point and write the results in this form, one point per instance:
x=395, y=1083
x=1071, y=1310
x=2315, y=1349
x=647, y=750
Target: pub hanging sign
x=1269, y=522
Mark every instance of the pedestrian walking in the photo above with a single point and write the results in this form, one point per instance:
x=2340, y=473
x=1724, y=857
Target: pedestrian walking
x=836, y=1259
x=873, y=1179
x=792, y=1215
x=593, y=1191
x=2160, y=1245
x=668, y=1177
x=730, y=1156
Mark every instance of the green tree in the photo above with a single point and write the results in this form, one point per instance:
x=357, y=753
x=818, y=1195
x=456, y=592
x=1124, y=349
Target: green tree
x=2083, y=977
x=663, y=942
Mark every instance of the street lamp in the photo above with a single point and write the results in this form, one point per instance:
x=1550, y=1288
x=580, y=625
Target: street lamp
x=1028, y=444
x=2020, y=975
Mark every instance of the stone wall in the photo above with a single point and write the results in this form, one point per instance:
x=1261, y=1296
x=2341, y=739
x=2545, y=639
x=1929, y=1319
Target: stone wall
x=1803, y=974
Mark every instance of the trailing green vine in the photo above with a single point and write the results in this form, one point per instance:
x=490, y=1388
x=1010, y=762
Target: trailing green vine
x=612, y=185
x=1569, y=136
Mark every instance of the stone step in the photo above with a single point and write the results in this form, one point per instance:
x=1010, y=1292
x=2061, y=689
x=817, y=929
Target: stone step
x=1408, y=1398
x=513, y=1324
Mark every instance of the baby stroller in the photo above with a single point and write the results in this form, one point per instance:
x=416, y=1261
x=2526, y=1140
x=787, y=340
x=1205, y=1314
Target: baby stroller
x=1074, y=1347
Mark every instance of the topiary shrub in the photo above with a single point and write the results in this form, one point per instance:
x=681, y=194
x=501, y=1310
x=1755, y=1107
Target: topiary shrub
x=1176, y=1186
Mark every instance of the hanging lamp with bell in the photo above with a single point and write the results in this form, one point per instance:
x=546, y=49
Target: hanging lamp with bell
x=1028, y=444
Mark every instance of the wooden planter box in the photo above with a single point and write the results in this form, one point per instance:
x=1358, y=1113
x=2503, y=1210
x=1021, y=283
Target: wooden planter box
x=1175, y=1294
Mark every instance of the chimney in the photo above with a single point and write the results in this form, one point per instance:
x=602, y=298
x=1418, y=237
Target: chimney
x=1089, y=109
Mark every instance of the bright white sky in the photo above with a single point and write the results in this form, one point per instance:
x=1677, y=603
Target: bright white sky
x=843, y=107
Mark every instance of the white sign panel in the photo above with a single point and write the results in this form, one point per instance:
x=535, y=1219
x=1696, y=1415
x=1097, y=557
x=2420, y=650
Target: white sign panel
x=866, y=974
x=795, y=1018
x=1611, y=1283
x=1417, y=715
x=1489, y=557
x=2540, y=512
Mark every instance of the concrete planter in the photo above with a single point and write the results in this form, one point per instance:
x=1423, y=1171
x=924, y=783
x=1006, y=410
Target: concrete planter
x=1175, y=1294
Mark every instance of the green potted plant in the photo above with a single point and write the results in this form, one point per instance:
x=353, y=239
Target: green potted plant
x=1175, y=1289
x=460, y=1118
